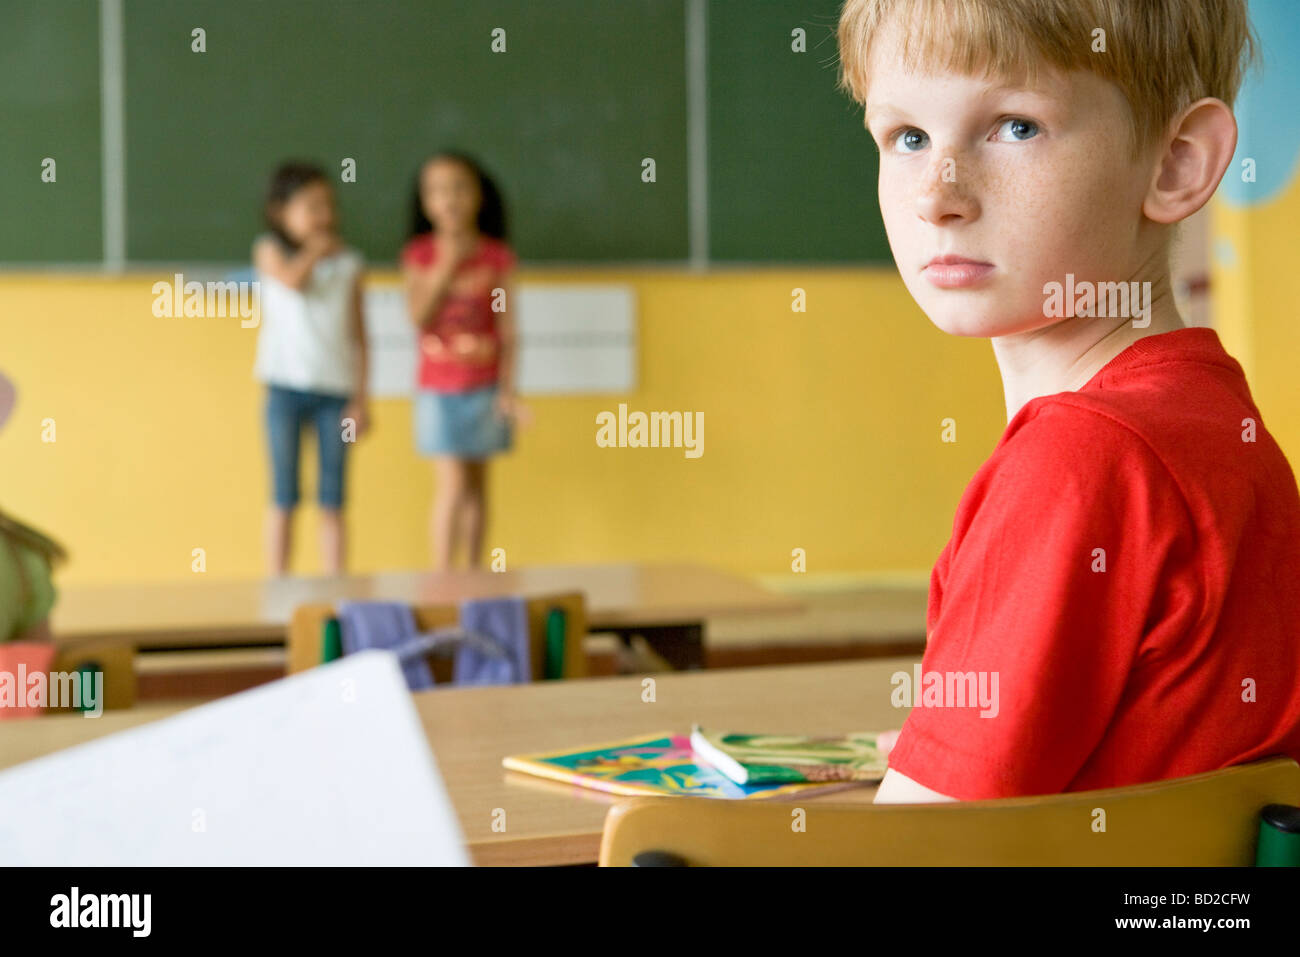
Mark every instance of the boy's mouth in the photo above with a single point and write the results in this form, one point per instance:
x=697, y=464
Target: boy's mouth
x=955, y=272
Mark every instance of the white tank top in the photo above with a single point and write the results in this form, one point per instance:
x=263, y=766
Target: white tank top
x=305, y=341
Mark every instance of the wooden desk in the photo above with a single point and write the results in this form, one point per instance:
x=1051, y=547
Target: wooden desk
x=472, y=729
x=666, y=603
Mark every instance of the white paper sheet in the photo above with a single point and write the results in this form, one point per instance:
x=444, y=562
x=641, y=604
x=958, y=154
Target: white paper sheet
x=328, y=767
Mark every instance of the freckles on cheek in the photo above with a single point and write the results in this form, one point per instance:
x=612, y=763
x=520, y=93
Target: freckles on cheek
x=1089, y=193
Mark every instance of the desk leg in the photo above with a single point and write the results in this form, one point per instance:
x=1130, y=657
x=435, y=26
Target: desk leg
x=682, y=646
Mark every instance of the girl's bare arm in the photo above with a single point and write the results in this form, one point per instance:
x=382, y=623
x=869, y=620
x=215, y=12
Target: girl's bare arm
x=508, y=342
x=425, y=291
x=357, y=324
x=292, y=269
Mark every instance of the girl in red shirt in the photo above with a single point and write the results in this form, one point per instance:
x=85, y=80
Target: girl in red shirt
x=457, y=268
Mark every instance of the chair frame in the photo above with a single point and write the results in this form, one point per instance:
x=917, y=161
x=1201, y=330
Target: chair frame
x=303, y=644
x=1209, y=819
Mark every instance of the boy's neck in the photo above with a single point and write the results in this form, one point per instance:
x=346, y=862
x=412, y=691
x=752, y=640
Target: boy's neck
x=1064, y=356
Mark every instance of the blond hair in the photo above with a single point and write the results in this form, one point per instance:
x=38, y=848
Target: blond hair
x=1162, y=54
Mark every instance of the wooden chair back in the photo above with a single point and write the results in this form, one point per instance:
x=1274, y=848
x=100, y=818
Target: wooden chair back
x=1205, y=820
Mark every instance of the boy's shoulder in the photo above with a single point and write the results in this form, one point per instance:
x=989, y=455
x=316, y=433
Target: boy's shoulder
x=1075, y=449
x=1174, y=417
x=1179, y=394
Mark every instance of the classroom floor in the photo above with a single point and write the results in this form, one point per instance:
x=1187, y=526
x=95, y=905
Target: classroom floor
x=839, y=623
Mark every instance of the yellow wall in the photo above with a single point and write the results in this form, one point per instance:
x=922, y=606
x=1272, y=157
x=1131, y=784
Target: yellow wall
x=821, y=431
x=1256, y=309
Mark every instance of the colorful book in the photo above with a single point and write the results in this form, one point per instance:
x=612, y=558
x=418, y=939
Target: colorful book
x=767, y=759
x=652, y=765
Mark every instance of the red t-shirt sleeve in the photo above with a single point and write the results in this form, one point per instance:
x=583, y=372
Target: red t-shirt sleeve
x=1019, y=595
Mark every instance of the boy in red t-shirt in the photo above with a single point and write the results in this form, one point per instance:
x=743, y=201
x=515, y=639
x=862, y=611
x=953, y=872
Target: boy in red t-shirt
x=1118, y=601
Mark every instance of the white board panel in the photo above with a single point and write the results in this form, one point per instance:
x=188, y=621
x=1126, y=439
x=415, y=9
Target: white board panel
x=577, y=339
x=573, y=340
x=391, y=339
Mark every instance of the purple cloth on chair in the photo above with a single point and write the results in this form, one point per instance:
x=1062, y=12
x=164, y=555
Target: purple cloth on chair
x=505, y=621
x=386, y=625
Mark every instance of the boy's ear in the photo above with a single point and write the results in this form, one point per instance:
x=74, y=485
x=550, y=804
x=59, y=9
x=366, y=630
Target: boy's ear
x=1192, y=162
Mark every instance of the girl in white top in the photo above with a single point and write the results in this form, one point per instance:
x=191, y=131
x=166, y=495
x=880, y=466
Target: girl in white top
x=311, y=352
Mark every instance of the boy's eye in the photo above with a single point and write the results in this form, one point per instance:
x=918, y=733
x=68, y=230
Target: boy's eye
x=1017, y=130
x=911, y=140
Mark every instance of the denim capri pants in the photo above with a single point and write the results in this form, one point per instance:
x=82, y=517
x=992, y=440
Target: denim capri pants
x=287, y=412
x=463, y=425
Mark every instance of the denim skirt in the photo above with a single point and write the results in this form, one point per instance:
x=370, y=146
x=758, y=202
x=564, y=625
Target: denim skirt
x=463, y=425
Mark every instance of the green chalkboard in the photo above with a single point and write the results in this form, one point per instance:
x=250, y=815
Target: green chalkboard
x=584, y=92
x=792, y=171
x=563, y=118
x=49, y=110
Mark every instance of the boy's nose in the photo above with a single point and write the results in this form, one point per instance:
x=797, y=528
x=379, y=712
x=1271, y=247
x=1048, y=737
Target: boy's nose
x=943, y=194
